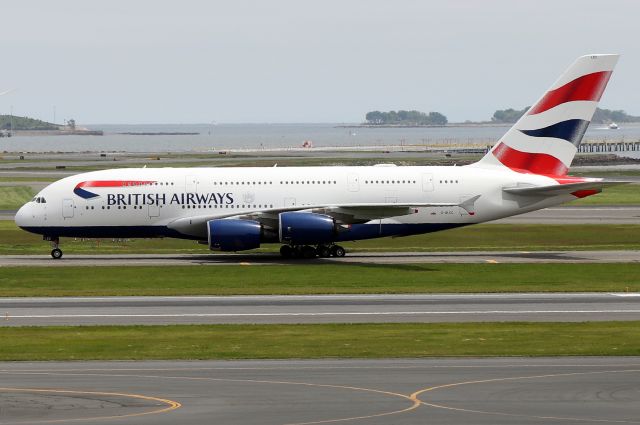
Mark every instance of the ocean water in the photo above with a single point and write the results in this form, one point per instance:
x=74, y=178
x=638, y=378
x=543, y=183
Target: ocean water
x=271, y=136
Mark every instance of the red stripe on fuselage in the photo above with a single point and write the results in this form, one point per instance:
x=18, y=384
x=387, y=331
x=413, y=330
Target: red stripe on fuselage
x=526, y=162
x=587, y=87
x=114, y=183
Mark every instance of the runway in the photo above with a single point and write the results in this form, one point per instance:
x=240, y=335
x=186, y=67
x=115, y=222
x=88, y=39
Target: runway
x=567, y=307
x=493, y=257
x=605, y=214
x=400, y=392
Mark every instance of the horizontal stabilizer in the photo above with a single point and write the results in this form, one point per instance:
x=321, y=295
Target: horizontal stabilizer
x=562, y=189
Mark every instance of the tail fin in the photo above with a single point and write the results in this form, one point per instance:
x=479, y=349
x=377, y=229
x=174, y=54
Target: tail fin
x=546, y=138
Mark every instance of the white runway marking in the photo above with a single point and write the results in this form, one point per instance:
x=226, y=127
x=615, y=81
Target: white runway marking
x=347, y=313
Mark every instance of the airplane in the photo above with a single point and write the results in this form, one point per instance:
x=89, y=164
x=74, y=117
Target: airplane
x=310, y=210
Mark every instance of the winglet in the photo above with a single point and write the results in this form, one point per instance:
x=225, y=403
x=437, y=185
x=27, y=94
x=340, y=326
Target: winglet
x=469, y=204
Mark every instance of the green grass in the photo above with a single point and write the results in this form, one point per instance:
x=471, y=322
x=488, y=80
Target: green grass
x=320, y=341
x=317, y=279
x=35, y=179
x=613, y=173
x=628, y=194
x=529, y=237
x=13, y=197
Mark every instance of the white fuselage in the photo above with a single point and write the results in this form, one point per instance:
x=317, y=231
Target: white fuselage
x=145, y=202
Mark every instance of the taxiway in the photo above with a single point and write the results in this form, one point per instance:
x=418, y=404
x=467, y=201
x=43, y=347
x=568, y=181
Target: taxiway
x=128, y=260
x=435, y=391
x=568, y=307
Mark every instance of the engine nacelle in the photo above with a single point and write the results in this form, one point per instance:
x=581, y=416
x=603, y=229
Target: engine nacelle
x=300, y=228
x=233, y=234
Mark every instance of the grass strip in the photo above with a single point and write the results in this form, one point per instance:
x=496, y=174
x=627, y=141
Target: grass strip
x=303, y=279
x=483, y=237
x=13, y=197
x=320, y=341
x=628, y=194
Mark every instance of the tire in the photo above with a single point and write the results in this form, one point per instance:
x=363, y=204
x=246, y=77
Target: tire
x=56, y=253
x=323, y=251
x=286, y=251
x=338, y=251
x=308, y=252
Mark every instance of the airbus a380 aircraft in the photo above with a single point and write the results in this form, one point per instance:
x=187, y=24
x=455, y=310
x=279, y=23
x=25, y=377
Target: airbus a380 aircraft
x=311, y=209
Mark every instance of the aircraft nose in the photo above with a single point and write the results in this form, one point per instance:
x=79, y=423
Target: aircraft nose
x=23, y=215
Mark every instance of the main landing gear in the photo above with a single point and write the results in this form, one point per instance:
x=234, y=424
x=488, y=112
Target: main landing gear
x=56, y=252
x=307, y=251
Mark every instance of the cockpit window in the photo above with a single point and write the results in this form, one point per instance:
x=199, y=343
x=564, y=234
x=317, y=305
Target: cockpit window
x=39, y=200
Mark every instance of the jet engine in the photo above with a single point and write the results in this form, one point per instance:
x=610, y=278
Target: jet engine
x=233, y=234
x=300, y=228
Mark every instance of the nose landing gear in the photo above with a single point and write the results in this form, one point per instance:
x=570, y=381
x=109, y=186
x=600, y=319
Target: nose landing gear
x=56, y=252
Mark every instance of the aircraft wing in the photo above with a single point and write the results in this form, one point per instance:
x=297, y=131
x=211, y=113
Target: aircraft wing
x=563, y=189
x=343, y=214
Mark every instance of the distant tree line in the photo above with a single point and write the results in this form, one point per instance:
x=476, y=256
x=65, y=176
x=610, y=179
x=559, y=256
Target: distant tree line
x=508, y=115
x=405, y=118
x=601, y=116
x=25, y=123
x=605, y=116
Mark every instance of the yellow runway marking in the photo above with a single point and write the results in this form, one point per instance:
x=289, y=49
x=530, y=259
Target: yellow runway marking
x=491, y=261
x=170, y=404
x=414, y=403
x=415, y=396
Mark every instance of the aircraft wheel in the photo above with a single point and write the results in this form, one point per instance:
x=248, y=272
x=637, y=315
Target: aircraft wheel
x=323, y=251
x=286, y=251
x=308, y=252
x=56, y=253
x=338, y=251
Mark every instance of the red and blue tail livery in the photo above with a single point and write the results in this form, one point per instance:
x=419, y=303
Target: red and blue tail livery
x=546, y=139
x=85, y=194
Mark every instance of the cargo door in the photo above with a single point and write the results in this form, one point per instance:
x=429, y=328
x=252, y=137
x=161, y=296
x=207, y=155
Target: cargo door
x=154, y=211
x=391, y=197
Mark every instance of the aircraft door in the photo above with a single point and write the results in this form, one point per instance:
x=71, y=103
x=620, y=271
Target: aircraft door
x=190, y=184
x=289, y=202
x=427, y=182
x=353, y=183
x=67, y=208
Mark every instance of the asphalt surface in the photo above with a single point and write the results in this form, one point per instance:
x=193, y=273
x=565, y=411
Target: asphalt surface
x=374, y=392
x=566, y=307
x=120, y=260
x=606, y=214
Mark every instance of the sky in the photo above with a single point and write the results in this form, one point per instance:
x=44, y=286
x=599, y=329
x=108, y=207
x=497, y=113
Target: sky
x=287, y=61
